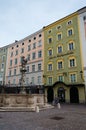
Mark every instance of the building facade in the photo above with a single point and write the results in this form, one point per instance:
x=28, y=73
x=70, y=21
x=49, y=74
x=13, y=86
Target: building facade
x=3, y=60
x=31, y=48
x=55, y=59
x=63, y=60
x=82, y=27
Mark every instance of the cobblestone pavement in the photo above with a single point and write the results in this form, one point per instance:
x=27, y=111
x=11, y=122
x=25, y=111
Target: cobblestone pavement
x=69, y=117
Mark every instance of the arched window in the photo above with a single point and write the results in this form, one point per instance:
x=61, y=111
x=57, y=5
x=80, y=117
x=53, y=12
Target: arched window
x=59, y=36
x=50, y=66
x=71, y=45
x=60, y=64
x=72, y=62
x=50, y=40
x=73, y=78
x=59, y=49
x=60, y=78
x=70, y=32
x=50, y=80
x=50, y=52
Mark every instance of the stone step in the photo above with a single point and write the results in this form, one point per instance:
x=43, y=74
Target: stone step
x=41, y=107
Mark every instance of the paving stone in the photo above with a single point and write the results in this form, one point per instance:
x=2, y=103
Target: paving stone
x=69, y=117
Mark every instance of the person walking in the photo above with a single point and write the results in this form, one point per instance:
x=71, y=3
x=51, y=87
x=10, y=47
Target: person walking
x=56, y=102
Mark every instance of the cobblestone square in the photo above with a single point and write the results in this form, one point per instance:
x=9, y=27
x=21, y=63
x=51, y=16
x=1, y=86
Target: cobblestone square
x=69, y=117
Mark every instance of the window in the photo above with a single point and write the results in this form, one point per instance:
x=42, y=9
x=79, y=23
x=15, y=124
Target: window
x=59, y=27
x=23, y=43
x=15, y=61
x=39, y=43
x=17, y=46
x=27, y=81
x=16, y=52
x=28, y=57
x=27, y=68
x=49, y=67
x=39, y=54
x=32, y=80
x=60, y=49
x=50, y=40
x=1, y=75
x=34, y=38
x=14, y=81
x=50, y=52
x=39, y=79
x=3, y=58
x=33, y=68
x=10, y=62
x=2, y=66
x=4, y=49
x=69, y=22
x=60, y=78
x=72, y=62
x=22, y=50
x=73, y=78
x=40, y=35
x=60, y=65
x=29, y=47
x=14, y=71
x=49, y=31
x=71, y=46
x=59, y=36
x=11, y=54
x=50, y=80
x=29, y=40
x=84, y=18
x=34, y=45
x=70, y=32
x=20, y=59
x=9, y=72
x=33, y=55
x=39, y=67
x=19, y=81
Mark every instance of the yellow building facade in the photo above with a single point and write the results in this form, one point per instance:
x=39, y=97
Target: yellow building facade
x=63, y=68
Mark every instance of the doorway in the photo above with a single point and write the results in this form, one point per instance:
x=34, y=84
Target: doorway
x=50, y=95
x=74, y=95
x=61, y=94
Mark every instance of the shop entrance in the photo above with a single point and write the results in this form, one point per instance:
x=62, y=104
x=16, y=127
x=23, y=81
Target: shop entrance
x=74, y=96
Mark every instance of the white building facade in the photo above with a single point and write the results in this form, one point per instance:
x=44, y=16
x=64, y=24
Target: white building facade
x=82, y=22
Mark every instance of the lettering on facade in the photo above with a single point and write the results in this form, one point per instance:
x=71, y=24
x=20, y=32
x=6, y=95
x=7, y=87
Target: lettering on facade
x=68, y=53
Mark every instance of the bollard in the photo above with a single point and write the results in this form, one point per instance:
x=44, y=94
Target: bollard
x=37, y=109
x=59, y=106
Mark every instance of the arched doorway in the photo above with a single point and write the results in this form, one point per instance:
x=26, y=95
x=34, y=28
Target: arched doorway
x=74, y=96
x=50, y=94
x=61, y=94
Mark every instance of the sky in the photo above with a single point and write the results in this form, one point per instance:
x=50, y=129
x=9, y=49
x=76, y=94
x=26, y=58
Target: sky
x=21, y=18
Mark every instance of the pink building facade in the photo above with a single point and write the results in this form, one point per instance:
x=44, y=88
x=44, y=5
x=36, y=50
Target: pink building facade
x=31, y=48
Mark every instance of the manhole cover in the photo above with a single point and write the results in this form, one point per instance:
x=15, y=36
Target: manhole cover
x=57, y=118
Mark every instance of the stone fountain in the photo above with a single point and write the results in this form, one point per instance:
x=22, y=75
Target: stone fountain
x=22, y=100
